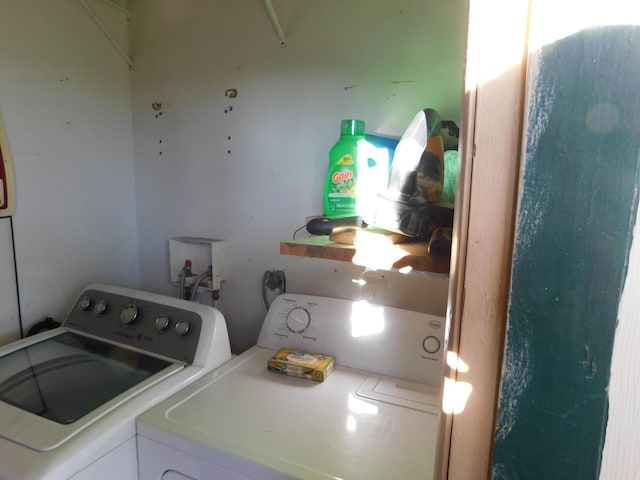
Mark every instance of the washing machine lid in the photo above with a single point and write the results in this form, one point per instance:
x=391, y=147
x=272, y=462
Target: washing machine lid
x=297, y=427
x=51, y=389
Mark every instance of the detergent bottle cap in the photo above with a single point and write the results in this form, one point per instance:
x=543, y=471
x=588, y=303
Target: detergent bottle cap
x=352, y=127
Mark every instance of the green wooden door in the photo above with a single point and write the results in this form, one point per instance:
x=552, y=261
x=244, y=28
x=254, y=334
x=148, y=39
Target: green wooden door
x=578, y=201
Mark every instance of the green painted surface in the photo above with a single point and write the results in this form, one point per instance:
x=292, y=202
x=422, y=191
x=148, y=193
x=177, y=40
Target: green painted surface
x=578, y=201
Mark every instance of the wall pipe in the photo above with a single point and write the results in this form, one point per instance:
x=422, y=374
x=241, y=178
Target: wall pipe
x=106, y=31
x=196, y=284
x=276, y=23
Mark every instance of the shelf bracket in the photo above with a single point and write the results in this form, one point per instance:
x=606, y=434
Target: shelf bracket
x=107, y=33
x=274, y=20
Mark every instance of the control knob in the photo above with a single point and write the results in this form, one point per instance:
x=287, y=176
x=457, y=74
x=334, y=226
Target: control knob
x=182, y=327
x=100, y=307
x=84, y=303
x=128, y=314
x=298, y=320
x=431, y=344
x=161, y=322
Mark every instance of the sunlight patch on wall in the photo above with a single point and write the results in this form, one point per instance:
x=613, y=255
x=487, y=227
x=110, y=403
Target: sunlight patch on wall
x=490, y=56
x=456, y=363
x=455, y=393
x=455, y=396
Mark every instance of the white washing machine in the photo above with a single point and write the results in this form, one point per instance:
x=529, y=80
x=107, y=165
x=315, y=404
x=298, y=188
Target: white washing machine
x=69, y=397
x=376, y=416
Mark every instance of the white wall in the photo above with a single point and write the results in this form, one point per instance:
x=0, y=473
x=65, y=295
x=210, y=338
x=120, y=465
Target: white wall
x=620, y=454
x=65, y=99
x=250, y=169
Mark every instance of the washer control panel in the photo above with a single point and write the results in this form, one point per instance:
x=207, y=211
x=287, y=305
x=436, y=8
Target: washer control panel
x=378, y=339
x=136, y=321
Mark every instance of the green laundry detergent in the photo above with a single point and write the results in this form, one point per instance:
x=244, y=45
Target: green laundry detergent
x=357, y=172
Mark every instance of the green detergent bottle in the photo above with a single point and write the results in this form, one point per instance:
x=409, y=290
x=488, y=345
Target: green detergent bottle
x=354, y=175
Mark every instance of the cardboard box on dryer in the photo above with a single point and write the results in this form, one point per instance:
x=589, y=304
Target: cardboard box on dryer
x=312, y=366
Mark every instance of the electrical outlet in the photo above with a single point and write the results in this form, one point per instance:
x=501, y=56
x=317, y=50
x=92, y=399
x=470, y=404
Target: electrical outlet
x=275, y=280
x=374, y=290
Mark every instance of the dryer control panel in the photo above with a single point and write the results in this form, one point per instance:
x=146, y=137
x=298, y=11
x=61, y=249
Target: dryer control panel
x=379, y=339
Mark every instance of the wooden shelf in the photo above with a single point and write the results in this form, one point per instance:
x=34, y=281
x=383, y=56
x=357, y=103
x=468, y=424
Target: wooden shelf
x=375, y=254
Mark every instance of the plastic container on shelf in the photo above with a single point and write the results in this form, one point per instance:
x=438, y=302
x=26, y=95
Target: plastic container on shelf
x=357, y=172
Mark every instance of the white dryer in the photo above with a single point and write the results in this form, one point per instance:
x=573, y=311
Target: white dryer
x=69, y=397
x=376, y=416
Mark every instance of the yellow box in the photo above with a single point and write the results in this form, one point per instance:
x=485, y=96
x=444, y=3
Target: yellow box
x=296, y=363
